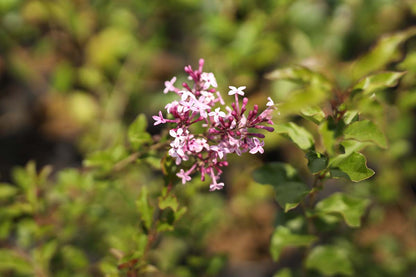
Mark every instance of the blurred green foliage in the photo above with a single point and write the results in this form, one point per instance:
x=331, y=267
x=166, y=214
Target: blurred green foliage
x=88, y=68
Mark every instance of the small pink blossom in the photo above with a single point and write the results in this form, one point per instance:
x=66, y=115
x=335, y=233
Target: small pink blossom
x=159, y=119
x=184, y=176
x=169, y=85
x=216, y=186
x=257, y=146
x=185, y=106
x=270, y=103
x=217, y=114
x=218, y=150
x=176, y=133
x=201, y=107
x=209, y=80
x=178, y=154
x=187, y=96
x=197, y=145
x=235, y=90
x=180, y=137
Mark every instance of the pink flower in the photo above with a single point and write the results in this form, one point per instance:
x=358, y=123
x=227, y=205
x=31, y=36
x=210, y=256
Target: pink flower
x=209, y=80
x=235, y=90
x=180, y=137
x=270, y=103
x=187, y=95
x=201, y=107
x=217, y=114
x=197, y=145
x=216, y=186
x=178, y=154
x=257, y=146
x=184, y=176
x=159, y=119
x=169, y=86
x=185, y=106
x=220, y=151
x=176, y=134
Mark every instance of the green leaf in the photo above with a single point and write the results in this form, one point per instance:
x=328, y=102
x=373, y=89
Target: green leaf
x=168, y=216
x=16, y=209
x=314, y=114
x=301, y=99
x=290, y=194
x=337, y=173
x=365, y=130
x=168, y=201
x=275, y=173
x=179, y=213
x=141, y=244
x=43, y=254
x=145, y=209
x=316, y=88
x=385, y=51
x=302, y=75
x=350, y=146
x=74, y=257
x=7, y=191
x=316, y=161
x=299, y=135
x=283, y=237
x=106, y=159
x=25, y=177
x=350, y=208
x=329, y=261
x=12, y=261
x=137, y=134
x=290, y=190
x=328, y=137
x=5, y=228
x=355, y=166
x=164, y=227
x=285, y=272
x=350, y=116
x=378, y=81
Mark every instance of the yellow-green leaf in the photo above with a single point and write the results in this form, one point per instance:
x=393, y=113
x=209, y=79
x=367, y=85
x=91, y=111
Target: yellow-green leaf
x=302, y=75
x=137, y=132
x=350, y=208
x=7, y=191
x=145, y=209
x=11, y=261
x=329, y=261
x=365, y=131
x=355, y=166
x=283, y=237
x=378, y=81
x=385, y=51
x=299, y=135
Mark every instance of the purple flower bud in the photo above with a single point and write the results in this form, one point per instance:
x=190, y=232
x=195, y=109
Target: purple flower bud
x=256, y=135
x=267, y=128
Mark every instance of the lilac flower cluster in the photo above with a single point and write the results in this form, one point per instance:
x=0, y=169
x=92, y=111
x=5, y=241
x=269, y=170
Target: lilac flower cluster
x=226, y=130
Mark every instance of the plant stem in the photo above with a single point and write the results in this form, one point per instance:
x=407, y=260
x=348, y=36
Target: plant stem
x=309, y=205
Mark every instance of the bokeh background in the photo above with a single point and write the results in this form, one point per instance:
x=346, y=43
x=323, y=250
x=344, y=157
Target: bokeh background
x=75, y=73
